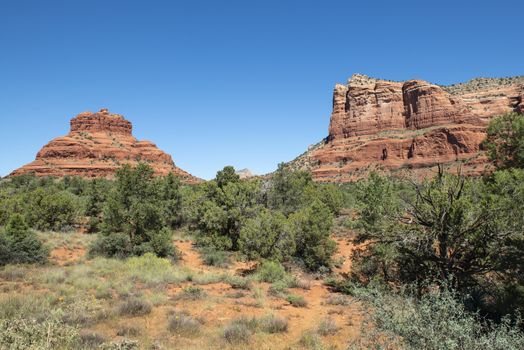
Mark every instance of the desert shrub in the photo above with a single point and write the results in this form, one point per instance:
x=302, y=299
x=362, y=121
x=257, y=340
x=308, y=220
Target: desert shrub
x=274, y=324
x=267, y=236
x=270, y=271
x=124, y=344
x=236, y=333
x=151, y=270
x=191, y=293
x=240, y=330
x=296, y=282
x=91, y=340
x=213, y=257
x=312, y=228
x=13, y=272
x=181, y=323
x=310, y=340
x=24, y=306
x=85, y=312
x=327, y=326
x=48, y=333
x=337, y=299
x=296, y=300
x=128, y=331
x=437, y=321
x=278, y=289
x=238, y=282
x=18, y=244
x=134, y=306
x=207, y=278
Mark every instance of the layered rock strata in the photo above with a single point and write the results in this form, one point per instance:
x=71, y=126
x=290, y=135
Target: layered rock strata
x=96, y=146
x=377, y=124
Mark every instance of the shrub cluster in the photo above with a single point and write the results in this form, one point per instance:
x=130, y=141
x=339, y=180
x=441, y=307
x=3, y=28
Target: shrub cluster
x=283, y=218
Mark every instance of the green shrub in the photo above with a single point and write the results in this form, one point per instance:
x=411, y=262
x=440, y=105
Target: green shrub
x=270, y=271
x=213, y=257
x=278, y=289
x=48, y=333
x=301, y=283
x=18, y=244
x=48, y=209
x=191, y=293
x=115, y=245
x=297, y=300
x=437, y=321
x=152, y=270
x=238, y=282
x=24, y=306
x=91, y=340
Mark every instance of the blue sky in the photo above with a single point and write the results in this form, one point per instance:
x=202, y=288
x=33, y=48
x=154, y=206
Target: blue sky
x=242, y=83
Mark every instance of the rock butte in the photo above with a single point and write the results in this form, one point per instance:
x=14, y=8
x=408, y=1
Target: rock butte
x=396, y=126
x=96, y=146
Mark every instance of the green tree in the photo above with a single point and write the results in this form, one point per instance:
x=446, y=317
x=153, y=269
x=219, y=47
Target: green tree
x=267, y=236
x=312, y=227
x=19, y=244
x=51, y=209
x=222, y=213
x=134, y=208
x=172, y=200
x=505, y=141
x=226, y=176
x=287, y=191
x=449, y=234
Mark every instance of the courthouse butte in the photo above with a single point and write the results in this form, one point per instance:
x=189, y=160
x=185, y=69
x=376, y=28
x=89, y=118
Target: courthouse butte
x=409, y=126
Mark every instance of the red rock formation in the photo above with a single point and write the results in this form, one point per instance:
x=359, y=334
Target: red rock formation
x=377, y=124
x=98, y=144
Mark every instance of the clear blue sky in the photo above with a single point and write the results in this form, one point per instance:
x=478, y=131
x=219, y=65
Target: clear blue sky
x=242, y=83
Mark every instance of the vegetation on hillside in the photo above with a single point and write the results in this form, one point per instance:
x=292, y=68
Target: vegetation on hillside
x=440, y=261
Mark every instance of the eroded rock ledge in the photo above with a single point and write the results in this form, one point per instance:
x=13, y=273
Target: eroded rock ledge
x=415, y=125
x=96, y=146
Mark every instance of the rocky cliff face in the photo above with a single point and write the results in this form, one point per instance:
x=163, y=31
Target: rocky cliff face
x=98, y=144
x=378, y=124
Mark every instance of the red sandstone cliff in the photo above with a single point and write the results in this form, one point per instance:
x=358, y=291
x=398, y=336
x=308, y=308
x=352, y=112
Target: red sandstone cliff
x=98, y=144
x=378, y=124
